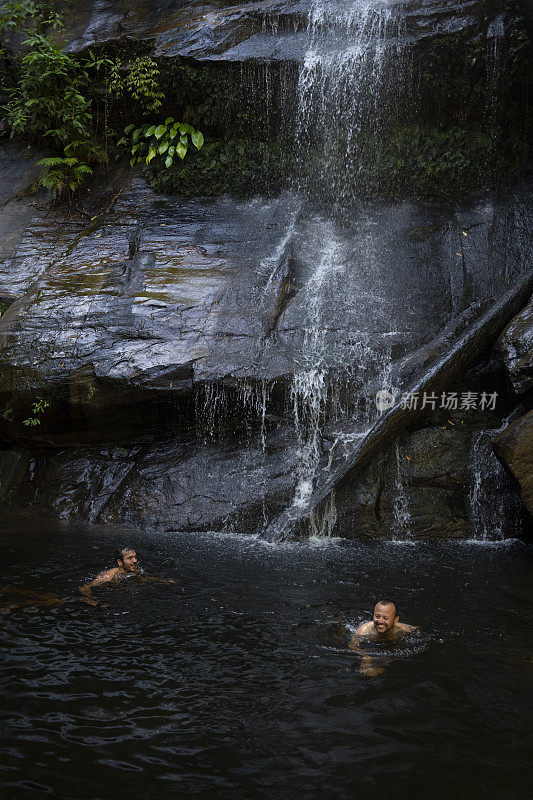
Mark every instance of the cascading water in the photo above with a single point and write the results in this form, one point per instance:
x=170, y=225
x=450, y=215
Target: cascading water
x=350, y=288
x=346, y=89
x=341, y=100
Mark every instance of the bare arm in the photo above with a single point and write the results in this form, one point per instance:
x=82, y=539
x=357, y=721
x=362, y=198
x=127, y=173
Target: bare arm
x=154, y=579
x=404, y=628
x=366, y=667
x=86, y=589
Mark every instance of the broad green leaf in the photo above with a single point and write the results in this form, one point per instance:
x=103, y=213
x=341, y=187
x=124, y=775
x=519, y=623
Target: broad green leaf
x=197, y=139
x=163, y=147
x=152, y=152
x=168, y=161
x=183, y=139
x=171, y=151
x=169, y=120
x=133, y=161
x=150, y=131
x=181, y=150
x=184, y=128
x=128, y=129
x=160, y=131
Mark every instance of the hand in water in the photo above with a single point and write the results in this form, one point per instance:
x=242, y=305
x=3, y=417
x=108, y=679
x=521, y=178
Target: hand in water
x=371, y=672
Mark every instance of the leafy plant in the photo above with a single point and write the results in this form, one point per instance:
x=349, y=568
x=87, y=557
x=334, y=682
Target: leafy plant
x=62, y=175
x=167, y=140
x=26, y=15
x=38, y=408
x=139, y=79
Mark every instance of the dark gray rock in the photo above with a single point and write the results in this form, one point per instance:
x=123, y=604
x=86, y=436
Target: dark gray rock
x=434, y=483
x=515, y=346
x=119, y=321
x=169, y=484
x=271, y=30
x=514, y=446
x=417, y=489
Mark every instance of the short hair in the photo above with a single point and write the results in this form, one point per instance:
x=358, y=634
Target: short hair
x=119, y=554
x=389, y=603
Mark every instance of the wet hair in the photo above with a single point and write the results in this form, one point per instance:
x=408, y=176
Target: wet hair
x=119, y=554
x=389, y=603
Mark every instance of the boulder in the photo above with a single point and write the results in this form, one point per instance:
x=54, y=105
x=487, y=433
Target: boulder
x=515, y=346
x=514, y=446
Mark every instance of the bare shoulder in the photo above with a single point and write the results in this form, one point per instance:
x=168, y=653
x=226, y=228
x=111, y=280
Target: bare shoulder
x=404, y=628
x=365, y=629
x=107, y=575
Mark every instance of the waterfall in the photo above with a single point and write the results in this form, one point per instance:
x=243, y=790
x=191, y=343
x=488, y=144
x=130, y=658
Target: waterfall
x=342, y=99
x=310, y=384
x=346, y=89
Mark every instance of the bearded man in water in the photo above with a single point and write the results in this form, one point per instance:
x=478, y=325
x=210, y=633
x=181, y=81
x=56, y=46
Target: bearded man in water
x=384, y=627
x=127, y=564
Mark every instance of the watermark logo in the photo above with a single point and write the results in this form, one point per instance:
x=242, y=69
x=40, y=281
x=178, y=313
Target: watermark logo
x=384, y=400
x=450, y=401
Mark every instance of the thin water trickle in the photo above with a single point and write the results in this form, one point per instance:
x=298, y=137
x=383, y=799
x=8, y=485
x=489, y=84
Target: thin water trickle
x=402, y=514
x=494, y=507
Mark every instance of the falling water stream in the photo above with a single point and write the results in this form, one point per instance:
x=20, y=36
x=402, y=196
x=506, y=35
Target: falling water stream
x=341, y=96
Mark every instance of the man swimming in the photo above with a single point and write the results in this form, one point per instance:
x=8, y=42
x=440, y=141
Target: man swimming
x=127, y=564
x=384, y=627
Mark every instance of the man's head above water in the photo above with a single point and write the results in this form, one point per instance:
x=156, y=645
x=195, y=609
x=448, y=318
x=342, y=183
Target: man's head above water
x=126, y=559
x=385, y=616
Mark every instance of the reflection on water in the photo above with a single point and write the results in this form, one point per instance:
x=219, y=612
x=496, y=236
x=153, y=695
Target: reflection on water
x=237, y=682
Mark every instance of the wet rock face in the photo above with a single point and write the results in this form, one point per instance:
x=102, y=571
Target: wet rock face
x=515, y=447
x=227, y=30
x=419, y=489
x=120, y=318
x=170, y=484
x=515, y=346
x=435, y=483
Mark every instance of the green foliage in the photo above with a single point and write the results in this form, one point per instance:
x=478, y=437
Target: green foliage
x=57, y=98
x=38, y=408
x=63, y=175
x=26, y=15
x=48, y=100
x=164, y=141
x=50, y=103
x=139, y=80
x=239, y=167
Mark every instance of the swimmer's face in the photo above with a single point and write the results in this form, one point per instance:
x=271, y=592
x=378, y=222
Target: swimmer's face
x=129, y=560
x=385, y=618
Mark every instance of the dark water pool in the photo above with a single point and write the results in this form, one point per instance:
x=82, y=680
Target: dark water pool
x=236, y=683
